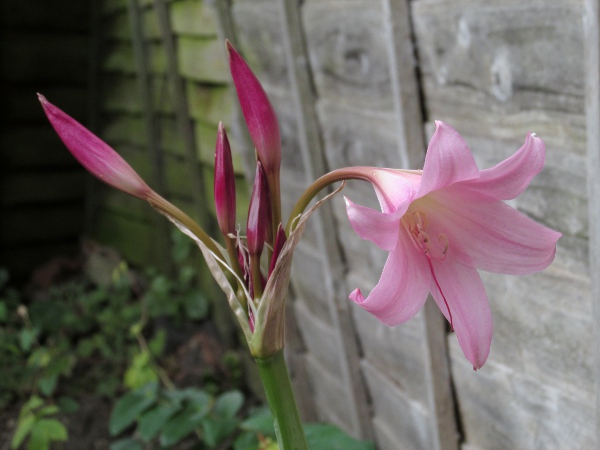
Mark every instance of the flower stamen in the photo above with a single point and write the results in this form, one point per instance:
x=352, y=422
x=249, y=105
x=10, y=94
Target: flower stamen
x=415, y=223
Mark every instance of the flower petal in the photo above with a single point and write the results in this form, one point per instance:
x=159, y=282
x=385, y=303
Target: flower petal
x=488, y=235
x=380, y=228
x=510, y=178
x=394, y=187
x=258, y=112
x=448, y=160
x=403, y=287
x=94, y=154
x=469, y=306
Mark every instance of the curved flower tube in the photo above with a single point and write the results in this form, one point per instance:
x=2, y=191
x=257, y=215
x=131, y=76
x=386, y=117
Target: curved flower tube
x=441, y=225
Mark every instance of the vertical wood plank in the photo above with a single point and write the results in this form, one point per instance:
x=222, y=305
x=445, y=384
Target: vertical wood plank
x=591, y=23
x=411, y=143
x=313, y=156
x=184, y=121
x=150, y=125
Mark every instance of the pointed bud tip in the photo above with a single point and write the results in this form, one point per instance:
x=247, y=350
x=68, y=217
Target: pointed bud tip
x=41, y=98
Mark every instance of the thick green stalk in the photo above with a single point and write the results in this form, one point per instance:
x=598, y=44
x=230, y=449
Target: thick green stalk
x=275, y=378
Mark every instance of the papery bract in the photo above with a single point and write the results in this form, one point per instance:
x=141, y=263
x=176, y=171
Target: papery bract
x=224, y=183
x=443, y=224
x=94, y=154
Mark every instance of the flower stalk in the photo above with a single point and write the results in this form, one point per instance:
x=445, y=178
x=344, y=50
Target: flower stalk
x=280, y=396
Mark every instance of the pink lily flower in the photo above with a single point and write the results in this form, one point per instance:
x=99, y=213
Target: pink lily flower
x=443, y=223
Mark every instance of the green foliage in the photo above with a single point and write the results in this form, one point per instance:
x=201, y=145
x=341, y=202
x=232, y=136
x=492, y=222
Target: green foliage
x=172, y=415
x=36, y=424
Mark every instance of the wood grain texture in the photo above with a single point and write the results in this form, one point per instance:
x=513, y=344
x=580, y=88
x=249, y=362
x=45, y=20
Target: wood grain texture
x=495, y=71
x=591, y=24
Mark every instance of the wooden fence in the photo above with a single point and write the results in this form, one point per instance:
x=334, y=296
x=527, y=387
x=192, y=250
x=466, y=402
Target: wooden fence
x=359, y=82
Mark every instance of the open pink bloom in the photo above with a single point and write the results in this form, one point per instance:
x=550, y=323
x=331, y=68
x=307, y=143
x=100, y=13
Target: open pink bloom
x=441, y=225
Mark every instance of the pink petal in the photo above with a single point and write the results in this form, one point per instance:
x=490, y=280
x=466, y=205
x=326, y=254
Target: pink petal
x=258, y=113
x=257, y=223
x=394, y=187
x=403, y=287
x=94, y=154
x=224, y=183
x=469, y=306
x=448, y=160
x=510, y=178
x=380, y=228
x=489, y=235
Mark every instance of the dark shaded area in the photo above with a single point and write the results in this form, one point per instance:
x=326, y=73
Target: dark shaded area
x=43, y=48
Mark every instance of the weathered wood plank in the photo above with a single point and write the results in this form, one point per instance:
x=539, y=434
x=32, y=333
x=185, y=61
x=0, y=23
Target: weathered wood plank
x=193, y=17
x=591, y=24
x=135, y=240
x=119, y=58
x=202, y=59
x=408, y=419
x=318, y=336
x=492, y=52
x=347, y=47
x=503, y=407
x=328, y=395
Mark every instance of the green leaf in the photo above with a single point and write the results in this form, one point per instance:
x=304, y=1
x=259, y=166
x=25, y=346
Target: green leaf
x=152, y=422
x=46, y=431
x=126, y=444
x=67, y=405
x=3, y=312
x=196, y=304
x=261, y=422
x=140, y=372
x=320, y=436
x=24, y=426
x=130, y=406
x=246, y=441
x=217, y=429
x=158, y=342
x=40, y=357
x=228, y=404
x=194, y=396
x=47, y=411
x=48, y=384
x=27, y=338
x=182, y=424
x=33, y=403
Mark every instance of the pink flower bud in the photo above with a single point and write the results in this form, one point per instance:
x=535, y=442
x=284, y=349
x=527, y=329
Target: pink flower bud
x=94, y=154
x=256, y=228
x=258, y=113
x=224, y=183
x=280, y=240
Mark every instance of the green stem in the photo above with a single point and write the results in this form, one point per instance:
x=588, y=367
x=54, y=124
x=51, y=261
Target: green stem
x=276, y=381
x=347, y=173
